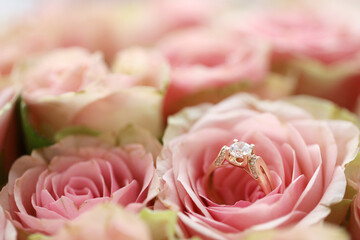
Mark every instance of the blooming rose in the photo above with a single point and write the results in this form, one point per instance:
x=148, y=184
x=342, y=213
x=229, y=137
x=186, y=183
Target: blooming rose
x=321, y=44
x=71, y=87
x=105, y=221
x=7, y=230
x=209, y=65
x=105, y=27
x=63, y=181
x=305, y=155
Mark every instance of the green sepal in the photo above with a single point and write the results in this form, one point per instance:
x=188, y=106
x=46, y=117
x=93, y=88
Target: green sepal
x=38, y=236
x=32, y=138
x=75, y=130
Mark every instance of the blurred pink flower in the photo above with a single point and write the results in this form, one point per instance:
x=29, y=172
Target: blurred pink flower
x=321, y=45
x=208, y=65
x=106, y=27
x=303, y=32
x=105, y=221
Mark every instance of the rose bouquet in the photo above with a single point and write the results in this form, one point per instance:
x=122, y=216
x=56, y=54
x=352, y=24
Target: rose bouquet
x=181, y=120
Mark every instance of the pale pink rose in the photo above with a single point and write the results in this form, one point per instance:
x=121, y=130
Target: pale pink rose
x=320, y=44
x=106, y=221
x=7, y=230
x=61, y=182
x=78, y=89
x=208, y=65
x=306, y=158
x=8, y=128
x=97, y=26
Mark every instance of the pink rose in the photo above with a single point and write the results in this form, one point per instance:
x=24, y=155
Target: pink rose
x=320, y=44
x=306, y=158
x=79, y=90
x=209, y=65
x=106, y=221
x=61, y=182
x=7, y=230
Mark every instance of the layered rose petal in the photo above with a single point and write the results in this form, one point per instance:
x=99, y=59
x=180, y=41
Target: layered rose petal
x=63, y=181
x=306, y=158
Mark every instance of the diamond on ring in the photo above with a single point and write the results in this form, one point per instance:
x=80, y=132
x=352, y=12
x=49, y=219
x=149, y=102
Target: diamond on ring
x=242, y=154
x=241, y=149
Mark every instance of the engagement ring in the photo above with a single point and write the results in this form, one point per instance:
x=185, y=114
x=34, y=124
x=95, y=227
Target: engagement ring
x=242, y=154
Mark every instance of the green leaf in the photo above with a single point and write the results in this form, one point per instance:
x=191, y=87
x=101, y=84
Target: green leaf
x=32, y=139
x=75, y=130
